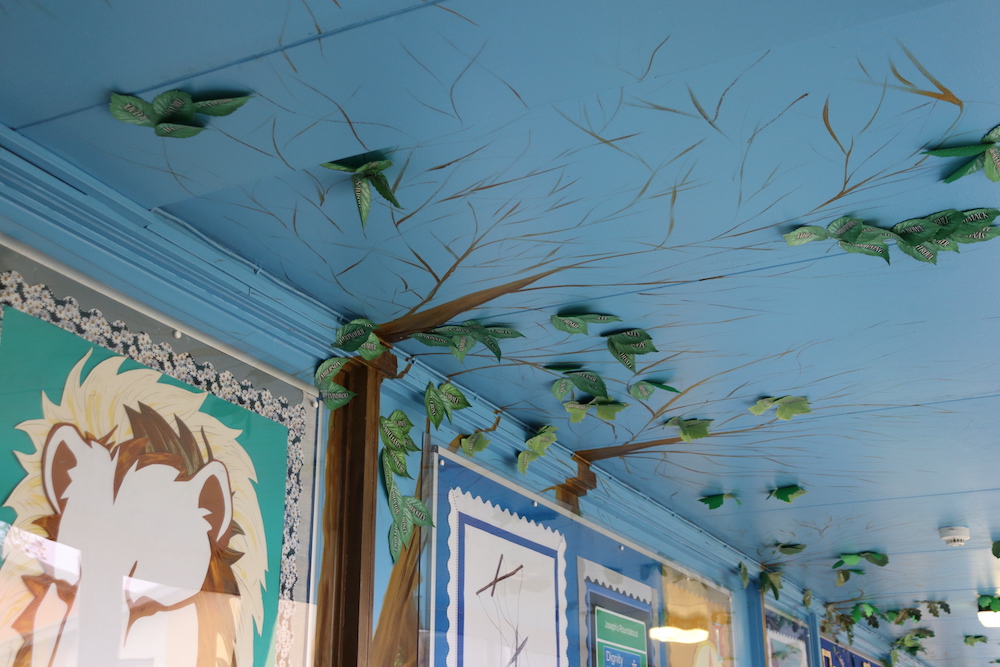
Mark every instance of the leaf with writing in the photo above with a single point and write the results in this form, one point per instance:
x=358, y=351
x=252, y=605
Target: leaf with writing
x=474, y=443
x=588, y=382
x=803, y=235
x=400, y=420
x=434, y=404
x=845, y=229
x=382, y=186
x=577, y=410
x=598, y=318
x=363, y=197
x=992, y=165
x=394, y=461
x=221, y=107
x=371, y=348
x=328, y=370
x=624, y=358
x=417, y=511
x=770, y=581
x=562, y=387
x=174, y=106
x=334, y=396
x=915, y=231
x=524, y=459
x=395, y=540
x=924, y=252
x=460, y=346
x=874, y=249
x=133, y=110
x=176, y=130
x=787, y=493
x=354, y=334
x=716, y=501
x=691, y=429
x=537, y=446
x=572, y=325
x=501, y=332
x=607, y=408
x=432, y=340
x=453, y=398
x=643, y=389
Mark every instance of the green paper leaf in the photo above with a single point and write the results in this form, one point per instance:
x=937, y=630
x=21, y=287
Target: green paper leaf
x=843, y=576
x=373, y=167
x=788, y=493
x=924, y=252
x=588, y=382
x=996, y=549
x=524, y=458
x=577, y=411
x=875, y=558
x=371, y=348
x=744, y=575
x=761, y=406
x=643, y=389
x=174, y=106
x=502, y=332
x=392, y=436
x=791, y=549
x=637, y=347
x=328, y=370
x=970, y=167
x=452, y=397
x=222, y=106
x=540, y=442
x=461, y=344
x=691, y=429
x=387, y=477
x=133, y=110
x=176, y=130
x=417, y=511
x=992, y=165
x=916, y=230
x=946, y=222
x=396, y=505
x=992, y=135
x=394, y=461
x=334, y=396
x=789, y=406
x=434, y=405
x=381, y=184
x=845, y=229
x=848, y=559
x=608, y=408
x=875, y=249
x=770, y=581
x=399, y=419
x=630, y=337
x=354, y=334
x=433, y=340
x=984, y=601
x=395, y=540
x=474, y=443
x=976, y=227
x=959, y=151
x=562, y=387
x=337, y=167
x=716, y=501
x=573, y=325
x=872, y=234
x=627, y=360
x=363, y=197
x=972, y=640
x=807, y=234
x=492, y=346
x=598, y=318
x=807, y=598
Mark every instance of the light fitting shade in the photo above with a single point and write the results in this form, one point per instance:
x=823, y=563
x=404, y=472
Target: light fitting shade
x=677, y=635
x=990, y=619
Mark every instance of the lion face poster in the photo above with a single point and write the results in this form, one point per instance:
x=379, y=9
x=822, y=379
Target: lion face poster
x=142, y=518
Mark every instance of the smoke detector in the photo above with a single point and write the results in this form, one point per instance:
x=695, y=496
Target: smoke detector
x=954, y=536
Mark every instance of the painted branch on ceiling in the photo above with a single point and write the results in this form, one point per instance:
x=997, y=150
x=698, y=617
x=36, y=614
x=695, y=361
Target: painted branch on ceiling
x=920, y=238
x=173, y=113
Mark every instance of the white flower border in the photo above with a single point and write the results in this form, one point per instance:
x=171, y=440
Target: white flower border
x=38, y=301
x=466, y=503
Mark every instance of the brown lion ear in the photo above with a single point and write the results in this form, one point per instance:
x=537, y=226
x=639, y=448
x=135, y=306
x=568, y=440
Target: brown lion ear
x=215, y=497
x=63, y=450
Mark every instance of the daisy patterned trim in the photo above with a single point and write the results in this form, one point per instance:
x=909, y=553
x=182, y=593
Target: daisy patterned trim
x=38, y=301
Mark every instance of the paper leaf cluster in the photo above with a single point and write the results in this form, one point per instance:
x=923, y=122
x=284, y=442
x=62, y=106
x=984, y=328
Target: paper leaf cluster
x=171, y=114
x=536, y=447
x=716, y=501
x=626, y=344
x=989, y=603
x=920, y=238
x=474, y=443
x=972, y=640
x=787, y=493
x=643, y=389
x=442, y=401
x=577, y=324
x=407, y=512
x=910, y=642
x=461, y=338
x=588, y=382
x=357, y=334
x=786, y=407
x=770, y=581
x=606, y=408
x=332, y=394
x=691, y=429
x=873, y=557
x=362, y=178
x=985, y=155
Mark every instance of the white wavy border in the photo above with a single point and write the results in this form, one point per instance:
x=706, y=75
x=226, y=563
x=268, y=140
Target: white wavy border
x=474, y=506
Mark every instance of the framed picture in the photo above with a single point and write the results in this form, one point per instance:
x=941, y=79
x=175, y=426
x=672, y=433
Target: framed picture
x=157, y=510
x=514, y=580
x=787, y=640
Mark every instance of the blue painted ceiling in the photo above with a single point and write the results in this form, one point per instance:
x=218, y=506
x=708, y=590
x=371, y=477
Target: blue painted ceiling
x=637, y=159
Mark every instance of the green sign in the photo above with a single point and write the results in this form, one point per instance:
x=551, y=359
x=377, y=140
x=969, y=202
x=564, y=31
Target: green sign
x=620, y=641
